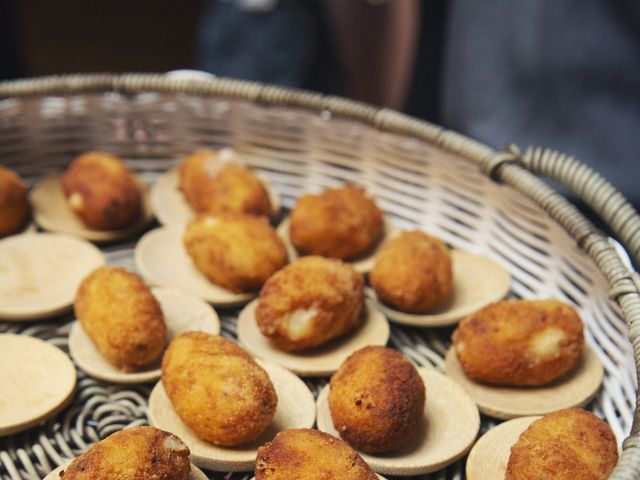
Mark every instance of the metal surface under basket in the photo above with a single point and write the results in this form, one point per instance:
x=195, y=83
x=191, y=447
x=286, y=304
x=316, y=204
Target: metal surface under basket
x=472, y=197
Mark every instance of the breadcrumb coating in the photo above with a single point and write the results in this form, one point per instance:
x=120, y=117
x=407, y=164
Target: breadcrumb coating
x=569, y=444
x=213, y=182
x=122, y=317
x=237, y=252
x=133, y=454
x=337, y=223
x=413, y=272
x=376, y=400
x=102, y=191
x=310, y=302
x=305, y=454
x=217, y=388
x=519, y=342
x=14, y=202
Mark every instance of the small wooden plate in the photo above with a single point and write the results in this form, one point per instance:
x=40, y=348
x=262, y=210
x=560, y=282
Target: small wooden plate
x=477, y=282
x=162, y=260
x=195, y=474
x=182, y=313
x=318, y=361
x=171, y=207
x=296, y=409
x=489, y=457
x=52, y=212
x=446, y=432
x=40, y=273
x=38, y=380
x=574, y=389
x=363, y=264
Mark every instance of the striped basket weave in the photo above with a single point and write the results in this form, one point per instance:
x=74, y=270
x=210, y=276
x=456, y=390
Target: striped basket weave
x=471, y=196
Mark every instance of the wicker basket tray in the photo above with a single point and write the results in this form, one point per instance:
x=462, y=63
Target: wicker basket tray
x=473, y=197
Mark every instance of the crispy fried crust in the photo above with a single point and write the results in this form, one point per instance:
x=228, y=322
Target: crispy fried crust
x=376, y=400
x=413, y=272
x=519, y=342
x=217, y=388
x=122, y=317
x=338, y=223
x=306, y=454
x=101, y=190
x=213, y=182
x=133, y=454
x=14, y=202
x=569, y=444
x=309, y=302
x=237, y=252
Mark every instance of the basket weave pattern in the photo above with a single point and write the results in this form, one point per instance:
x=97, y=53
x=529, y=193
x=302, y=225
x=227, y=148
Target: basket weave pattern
x=421, y=176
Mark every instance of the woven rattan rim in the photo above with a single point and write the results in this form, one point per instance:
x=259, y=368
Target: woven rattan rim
x=509, y=166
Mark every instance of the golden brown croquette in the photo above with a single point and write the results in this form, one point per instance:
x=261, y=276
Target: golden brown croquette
x=310, y=302
x=133, y=454
x=569, y=444
x=376, y=400
x=337, y=223
x=519, y=342
x=237, y=252
x=305, y=454
x=214, y=182
x=102, y=191
x=122, y=317
x=14, y=202
x=413, y=272
x=217, y=388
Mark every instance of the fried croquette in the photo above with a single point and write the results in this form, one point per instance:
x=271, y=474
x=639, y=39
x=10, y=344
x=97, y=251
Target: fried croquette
x=376, y=400
x=133, y=454
x=122, y=317
x=519, y=342
x=217, y=388
x=237, y=252
x=338, y=223
x=14, y=202
x=305, y=454
x=102, y=191
x=413, y=272
x=569, y=444
x=310, y=302
x=214, y=182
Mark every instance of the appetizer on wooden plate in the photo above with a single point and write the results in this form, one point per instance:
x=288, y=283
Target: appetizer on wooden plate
x=14, y=203
x=132, y=454
x=317, y=454
x=97, y=198
x=524, y=357
x=342, y=223
x=223, y=259
x=311, y=316
x=123, y=326
x=571, y=443
x=371, y=387
x=418, y=281
x=223, y=403
x=213, y=182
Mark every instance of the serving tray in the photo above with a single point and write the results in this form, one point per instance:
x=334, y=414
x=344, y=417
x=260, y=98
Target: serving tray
x=474, y=198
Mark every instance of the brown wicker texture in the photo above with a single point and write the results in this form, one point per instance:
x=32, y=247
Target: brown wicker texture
x=421, y=175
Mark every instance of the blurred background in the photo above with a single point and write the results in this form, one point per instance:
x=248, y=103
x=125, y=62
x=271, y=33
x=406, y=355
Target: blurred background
x=564, y=75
